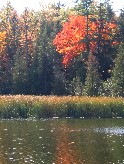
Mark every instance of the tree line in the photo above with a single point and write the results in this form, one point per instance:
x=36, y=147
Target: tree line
x=62, y=51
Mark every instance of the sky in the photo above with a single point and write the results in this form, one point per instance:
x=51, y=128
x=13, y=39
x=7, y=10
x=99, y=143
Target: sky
x=19, y=5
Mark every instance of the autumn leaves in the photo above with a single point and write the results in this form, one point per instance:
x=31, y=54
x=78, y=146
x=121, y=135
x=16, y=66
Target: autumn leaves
x=2, y=40
x=78, y=32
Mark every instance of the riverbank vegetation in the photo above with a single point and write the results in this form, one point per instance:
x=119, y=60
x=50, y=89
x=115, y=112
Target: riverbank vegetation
x=21, y=106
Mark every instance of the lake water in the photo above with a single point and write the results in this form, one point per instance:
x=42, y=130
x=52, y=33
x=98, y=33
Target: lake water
x=66, y=141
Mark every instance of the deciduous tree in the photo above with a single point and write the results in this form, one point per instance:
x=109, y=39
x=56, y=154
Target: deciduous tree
x=71, y=40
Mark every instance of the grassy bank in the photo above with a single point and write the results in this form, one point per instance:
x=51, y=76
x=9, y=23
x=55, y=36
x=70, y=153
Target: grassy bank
x=21, y=106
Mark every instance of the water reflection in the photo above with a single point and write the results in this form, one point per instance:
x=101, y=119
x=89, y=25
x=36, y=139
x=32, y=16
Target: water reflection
x=66, y=141
x=111, y=130
x=65, y=147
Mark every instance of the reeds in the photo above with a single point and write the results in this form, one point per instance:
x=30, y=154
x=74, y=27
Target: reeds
x=21, y=106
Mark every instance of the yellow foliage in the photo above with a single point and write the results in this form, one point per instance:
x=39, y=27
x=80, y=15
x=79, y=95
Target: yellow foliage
x=2, y=40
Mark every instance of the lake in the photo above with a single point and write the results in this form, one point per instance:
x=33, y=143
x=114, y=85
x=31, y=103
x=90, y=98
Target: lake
x=66, y=141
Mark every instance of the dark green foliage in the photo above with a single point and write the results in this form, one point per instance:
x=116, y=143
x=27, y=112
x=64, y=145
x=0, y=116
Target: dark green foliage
x=76, y=86
x=92, y=82
x=59, y=83
x=41, y=71
x=118, y=73
x=105, y=51
x=9, y=23
x=106, y=88
x=4, y=81
x=84, y=7
x=41, y=76
x=20, y=76
x=121, y=26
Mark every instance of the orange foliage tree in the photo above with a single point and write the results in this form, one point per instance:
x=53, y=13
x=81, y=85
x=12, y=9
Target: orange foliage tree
x=2, y=40
x=73, y=39
x=3, y=54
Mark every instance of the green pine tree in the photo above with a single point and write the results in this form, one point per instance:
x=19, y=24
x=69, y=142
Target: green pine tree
x=20, y=80
x=92, y=82
x=121, y=26
x=76, y=86
x=118, y=73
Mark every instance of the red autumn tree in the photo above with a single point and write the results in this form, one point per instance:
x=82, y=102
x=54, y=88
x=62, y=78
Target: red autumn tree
x=73, y=38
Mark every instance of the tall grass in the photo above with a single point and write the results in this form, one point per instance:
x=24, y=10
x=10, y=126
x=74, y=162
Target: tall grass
x=21, y=106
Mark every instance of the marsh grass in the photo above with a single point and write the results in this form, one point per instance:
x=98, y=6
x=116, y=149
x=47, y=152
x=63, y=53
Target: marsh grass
x=21, y=106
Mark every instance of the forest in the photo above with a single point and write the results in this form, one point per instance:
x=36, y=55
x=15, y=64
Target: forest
x=62, y=51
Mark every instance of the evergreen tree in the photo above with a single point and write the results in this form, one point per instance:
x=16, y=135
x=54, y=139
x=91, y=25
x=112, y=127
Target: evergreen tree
x=41, y=70
x=28, y=26
x=20, y=80
x=106, y=88
x=8, y=24
x=76, y=86
x=118, y=73
x=84, y=7
x=92, y=82
x=46, y=65
x=121, y=26
x=59, y=82
x=105, y=51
